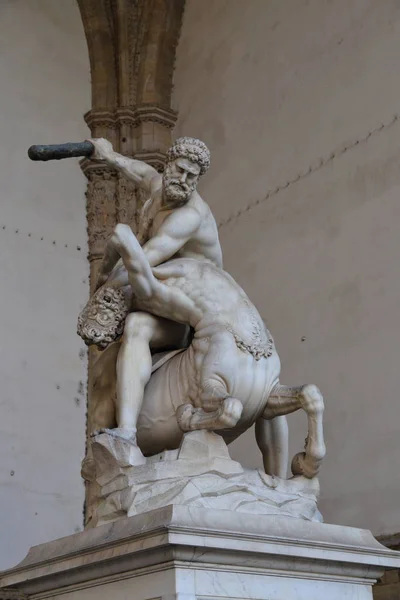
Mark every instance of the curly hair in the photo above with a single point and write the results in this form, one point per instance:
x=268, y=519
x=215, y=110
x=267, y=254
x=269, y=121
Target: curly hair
x=102, y=320
x=192, y=149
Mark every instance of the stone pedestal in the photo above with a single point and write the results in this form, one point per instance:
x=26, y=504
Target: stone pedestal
x=200, y=474
x=185, y=553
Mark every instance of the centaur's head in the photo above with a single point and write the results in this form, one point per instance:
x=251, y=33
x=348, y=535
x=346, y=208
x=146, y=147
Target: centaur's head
x=102, y=320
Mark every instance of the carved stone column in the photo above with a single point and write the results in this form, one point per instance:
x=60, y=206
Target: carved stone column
x=132, y=46
x=143, y=132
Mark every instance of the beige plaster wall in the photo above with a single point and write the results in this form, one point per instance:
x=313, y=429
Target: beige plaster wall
x=278, y=89
x=45, y=89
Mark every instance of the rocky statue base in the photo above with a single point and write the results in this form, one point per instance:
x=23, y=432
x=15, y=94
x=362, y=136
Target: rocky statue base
x=200, y=474
x=187, y=553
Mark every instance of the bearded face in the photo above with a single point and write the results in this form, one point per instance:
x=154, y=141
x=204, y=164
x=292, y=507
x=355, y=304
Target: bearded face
x=102, y=320
x=180, y=180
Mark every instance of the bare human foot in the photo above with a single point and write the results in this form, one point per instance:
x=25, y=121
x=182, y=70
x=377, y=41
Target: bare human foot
x=127, y=435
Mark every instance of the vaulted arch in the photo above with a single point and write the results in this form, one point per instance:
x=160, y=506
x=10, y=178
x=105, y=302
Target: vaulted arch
x=98, y=22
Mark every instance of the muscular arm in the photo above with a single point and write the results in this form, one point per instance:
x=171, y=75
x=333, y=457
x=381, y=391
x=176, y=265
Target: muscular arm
x=173, y=234
x=151, y=295
x=136, y=170
x=110, y=258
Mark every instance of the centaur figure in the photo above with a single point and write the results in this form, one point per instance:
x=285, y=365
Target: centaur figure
x=228, y=377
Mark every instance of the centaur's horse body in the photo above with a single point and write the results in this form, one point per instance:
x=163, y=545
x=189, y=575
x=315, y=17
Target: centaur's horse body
x=226, y=374
x=228, y=377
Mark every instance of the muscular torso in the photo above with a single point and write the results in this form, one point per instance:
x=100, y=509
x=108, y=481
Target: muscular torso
x=209, y=297
x=204, y=243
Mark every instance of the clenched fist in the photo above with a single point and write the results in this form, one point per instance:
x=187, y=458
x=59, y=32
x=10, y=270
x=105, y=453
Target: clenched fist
x=103, y=149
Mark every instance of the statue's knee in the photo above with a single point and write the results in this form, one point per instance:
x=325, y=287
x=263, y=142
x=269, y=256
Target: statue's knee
x=138, y=324
x=232, y=410
x=121, y=230
x=120, y=235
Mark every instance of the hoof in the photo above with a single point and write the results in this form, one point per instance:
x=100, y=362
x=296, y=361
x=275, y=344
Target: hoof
x=128, y=435
x=303, y=465
x=184, y=415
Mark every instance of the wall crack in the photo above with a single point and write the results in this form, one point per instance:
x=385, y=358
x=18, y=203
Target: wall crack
x=305, y=173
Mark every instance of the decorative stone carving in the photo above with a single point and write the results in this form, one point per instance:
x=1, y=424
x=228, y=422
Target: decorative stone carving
x=200, y=474
x=131, y=47
x=113, y=198
x=101, y=209
x=133, y=116
x=257, y=349
x=129, y=202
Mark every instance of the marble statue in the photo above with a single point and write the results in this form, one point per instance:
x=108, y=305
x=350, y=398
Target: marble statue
x=185, y=350
x=228, y=376
x=224, y=381
x=175, y=221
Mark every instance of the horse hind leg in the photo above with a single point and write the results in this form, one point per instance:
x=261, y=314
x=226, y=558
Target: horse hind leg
x=218, y=410
x=308, y=463
x=285, y=400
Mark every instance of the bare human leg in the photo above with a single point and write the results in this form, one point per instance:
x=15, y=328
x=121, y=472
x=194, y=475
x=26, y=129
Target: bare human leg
x=273, y=440
x=142, y=332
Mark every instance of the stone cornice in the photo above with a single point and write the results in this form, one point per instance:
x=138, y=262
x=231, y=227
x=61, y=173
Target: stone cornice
x=155, y=158
x=132, y=46
x=91, y=168
x=130, y=115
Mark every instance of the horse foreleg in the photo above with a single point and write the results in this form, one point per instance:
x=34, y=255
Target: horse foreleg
x=227, y=410
x=225, y=417
x=273, y=440
x=285, y=400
